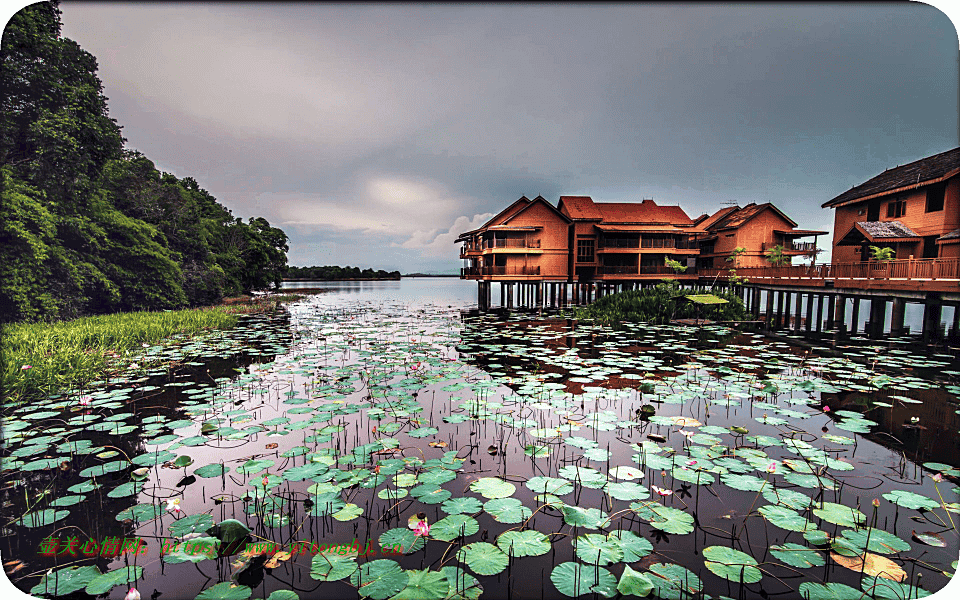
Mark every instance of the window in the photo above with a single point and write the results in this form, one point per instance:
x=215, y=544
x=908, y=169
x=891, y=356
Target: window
x=584, y=251
x=657, y=241
x=897, y=208
x=935, y=197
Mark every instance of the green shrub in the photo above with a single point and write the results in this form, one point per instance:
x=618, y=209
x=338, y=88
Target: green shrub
x=659, y=304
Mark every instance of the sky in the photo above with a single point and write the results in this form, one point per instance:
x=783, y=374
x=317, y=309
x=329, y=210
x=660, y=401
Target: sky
x=375, y=134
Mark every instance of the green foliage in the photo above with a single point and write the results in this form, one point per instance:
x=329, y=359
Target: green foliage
x=659, y=304
x=87, y=227
x=676, y=265
x=333, y=273
x=776, y=256
x=881, y=254
x=71, y=354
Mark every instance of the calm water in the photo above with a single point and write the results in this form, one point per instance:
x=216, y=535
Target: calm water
x=346, y=414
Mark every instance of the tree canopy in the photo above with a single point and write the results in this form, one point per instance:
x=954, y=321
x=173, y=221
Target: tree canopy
x=88, y=226
x=333, y=273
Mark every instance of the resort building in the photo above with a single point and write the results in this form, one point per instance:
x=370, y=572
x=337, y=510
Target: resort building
x=629, y=241
x=913, y=209
x=582, y=241
x=527, y=241
x=758, y=229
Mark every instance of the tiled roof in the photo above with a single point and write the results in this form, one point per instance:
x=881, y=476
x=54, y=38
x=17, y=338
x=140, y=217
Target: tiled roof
x=915, y=174
x=646, y=211
x=738, y=216
x=707, y=222
x=886, y=229
x=953, y=235
x=508, y=212
x=580, y=207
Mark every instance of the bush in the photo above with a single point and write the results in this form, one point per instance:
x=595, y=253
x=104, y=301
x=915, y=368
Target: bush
x=659, y=304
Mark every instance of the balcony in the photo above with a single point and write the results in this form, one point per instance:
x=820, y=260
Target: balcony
x=792, y=247
x=470, y=250
x=617, y=243
x=641, y=270
x=493, y=270
x=510, y=243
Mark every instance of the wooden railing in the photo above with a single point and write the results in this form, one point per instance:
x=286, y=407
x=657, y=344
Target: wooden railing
x=899, y=269
x=498, y=270
x=511, y=243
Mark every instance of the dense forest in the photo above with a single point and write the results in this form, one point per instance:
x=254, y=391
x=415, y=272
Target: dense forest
x=335, y=273
x=88, y=226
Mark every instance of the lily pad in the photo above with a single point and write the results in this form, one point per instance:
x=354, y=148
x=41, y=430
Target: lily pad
x=573, y=579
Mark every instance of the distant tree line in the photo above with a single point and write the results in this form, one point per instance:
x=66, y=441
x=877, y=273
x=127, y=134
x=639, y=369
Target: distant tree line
x=87, y=226
x=335, y=273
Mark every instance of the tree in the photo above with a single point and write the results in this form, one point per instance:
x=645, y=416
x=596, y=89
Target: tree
x=676, y=265
x=776, y=256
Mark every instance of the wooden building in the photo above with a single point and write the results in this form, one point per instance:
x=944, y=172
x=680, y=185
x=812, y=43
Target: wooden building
x=913, y=209
x=527, y=241
x=629, y=241
x=757, y=228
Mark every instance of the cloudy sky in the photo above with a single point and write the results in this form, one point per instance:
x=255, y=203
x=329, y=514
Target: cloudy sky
x=374, y=134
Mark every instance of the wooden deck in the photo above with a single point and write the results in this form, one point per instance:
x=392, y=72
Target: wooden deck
x=930, y=275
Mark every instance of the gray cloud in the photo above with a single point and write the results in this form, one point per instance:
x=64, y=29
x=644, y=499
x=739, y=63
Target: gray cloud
x=397, y=124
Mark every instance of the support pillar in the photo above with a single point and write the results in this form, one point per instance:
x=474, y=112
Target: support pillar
x=855, y=316
x=932, y=312
x=840, y=324
x=820, y=300
x=796, y=313
x=780, y=310
x=809, y=312
x=769, y=320
x=878, y=313
x=955, y=330
x=896, y=316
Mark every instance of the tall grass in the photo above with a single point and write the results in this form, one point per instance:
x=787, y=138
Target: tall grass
x=44, y=358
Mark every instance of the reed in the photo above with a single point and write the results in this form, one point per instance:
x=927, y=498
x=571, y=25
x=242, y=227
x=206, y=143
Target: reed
x=39, y=359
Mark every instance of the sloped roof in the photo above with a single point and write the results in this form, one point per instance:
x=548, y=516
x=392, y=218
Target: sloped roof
x=886, y=229
x=739, y=216
x=530, y=203
x=878, y=231
x=909, y=176
x=508, y=212
x=705, y=222
x=579, y=207
x=953, y=236
x=646, y=211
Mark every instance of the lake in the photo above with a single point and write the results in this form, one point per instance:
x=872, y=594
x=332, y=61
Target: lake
x=444, y=453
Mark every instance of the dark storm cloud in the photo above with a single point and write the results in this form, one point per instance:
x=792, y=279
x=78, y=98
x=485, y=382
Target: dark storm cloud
x=400, y=125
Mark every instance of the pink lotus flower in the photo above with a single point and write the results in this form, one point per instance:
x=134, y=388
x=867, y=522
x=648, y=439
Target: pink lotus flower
x=173, y=505
x=937, y=477
x=25, y=367
x=422, y=529
x=772, y=467
x=661, y=491
x=133, y=594
x=876, y=502
x=826, y=408
x=84, y=400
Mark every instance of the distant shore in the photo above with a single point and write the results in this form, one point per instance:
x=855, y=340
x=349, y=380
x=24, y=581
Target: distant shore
x=346, y=279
